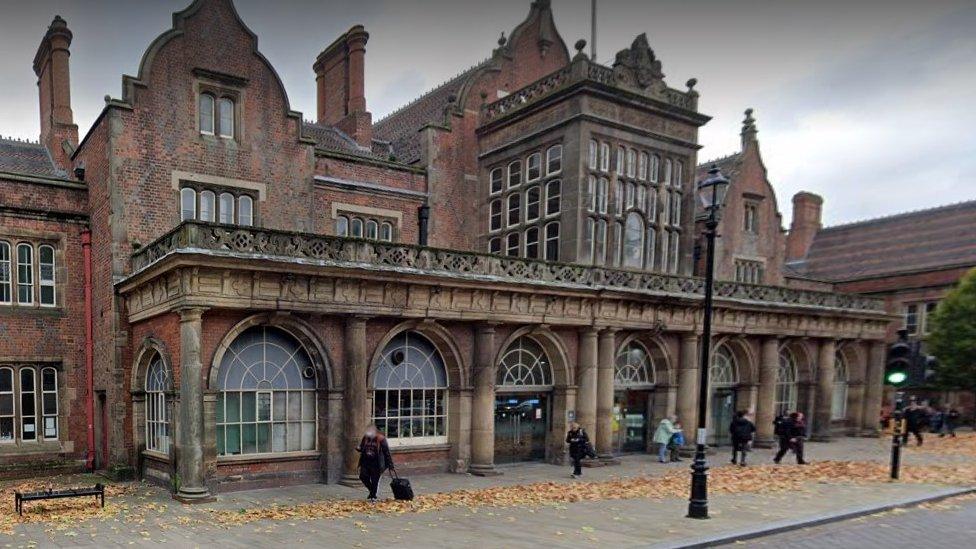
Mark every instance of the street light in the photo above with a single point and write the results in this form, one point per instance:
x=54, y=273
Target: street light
x=711, y=193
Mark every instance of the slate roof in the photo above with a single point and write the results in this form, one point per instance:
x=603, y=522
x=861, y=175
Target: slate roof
x=25, y=157
x=912, y=241
x=334, y=139
x=730, y=166
x=400, y=127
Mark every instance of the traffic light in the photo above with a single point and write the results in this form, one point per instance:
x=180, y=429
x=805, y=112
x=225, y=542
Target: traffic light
x=899, y=360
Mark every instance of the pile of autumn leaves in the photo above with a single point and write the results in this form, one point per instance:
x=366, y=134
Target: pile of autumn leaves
x=673, y=484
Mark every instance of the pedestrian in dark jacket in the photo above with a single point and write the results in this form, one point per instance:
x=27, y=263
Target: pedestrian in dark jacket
x=950, y=422
x=936, y=421
x=374, y=458
x=742, y=431
x=790, y=431
x=915, y=420
x=579, y=443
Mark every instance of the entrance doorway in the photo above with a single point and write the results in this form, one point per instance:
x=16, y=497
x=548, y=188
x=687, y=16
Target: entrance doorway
x=723, y=408
x=521, y=422
x=630, y=421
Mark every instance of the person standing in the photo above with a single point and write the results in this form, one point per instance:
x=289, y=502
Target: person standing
x=662, y=436
x=951, y=420
x=374, y=458
x=578, y=441
x=915, y=420
x=742, y=431
x=677, y=441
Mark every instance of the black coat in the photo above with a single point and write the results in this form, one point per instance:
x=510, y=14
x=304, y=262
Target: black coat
x=787, y=427
x=916, y=417
x=577, y=440
x=741, y=429
x=383, y=459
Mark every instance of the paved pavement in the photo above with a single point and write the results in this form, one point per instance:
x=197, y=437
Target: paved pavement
x=146, y=515
x=950, y=523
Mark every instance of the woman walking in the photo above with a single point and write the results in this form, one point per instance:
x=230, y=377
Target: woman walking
x=578, y=444
x=374, y=458
x=662, y=436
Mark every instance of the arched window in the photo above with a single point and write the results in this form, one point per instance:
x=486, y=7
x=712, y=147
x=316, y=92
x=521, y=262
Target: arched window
x=188, y=204
x=410, y=391
x=207, y=206
x=621, y=153
x=495, y=215
x=158, y=435
x=591, y=156
x=532, y=243
x=5, y=278
x=226, y=117
x=724, y=371
x=591, y=191
x=786, y=379
x=655, y=167
x=495, y=245
x=838, y=406
x=678, y=174
x=245, y=211
x=386, y=232
x=554, y=159
x=514, y=209
x=533, y=167
x=266, y=401
x=512, y=244
x=631, y=163
x=7, y=417
x=49, y=403
x=604, y=157
x=532, y=197
x=371, y=229
x=356, y=227
x=634, y=367
x=28, y=404
x=495, y=181
x=676, y=208
x=634, y=241
x=45, y=263
x=342, y=226
x=524, y=364
x=226, y=208
x=553, y=192
x=515, y=173
x=206, y=114
x=25, y=274
x=552, y=241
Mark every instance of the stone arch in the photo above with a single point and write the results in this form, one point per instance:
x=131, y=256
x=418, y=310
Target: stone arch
x=443, y=341
x=853, y=354
x=294, y=327
x=744, y=355
x=805, y=357
x=563, y=372
x=150, y=348
x=665, y=372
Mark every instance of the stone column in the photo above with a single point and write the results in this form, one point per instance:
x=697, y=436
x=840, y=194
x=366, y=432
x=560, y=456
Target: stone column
x=766, y=402
x=604, y=397
x=873, y=389
x=192, y=484
x=483, y=403
x=825, y=389
x=586, y=378
x=355, y=397
x=855, y=395
x=688, y=378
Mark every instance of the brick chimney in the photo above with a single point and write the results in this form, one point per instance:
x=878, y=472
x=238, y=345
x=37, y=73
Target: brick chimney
x=340, y=80
x=58, y=130
x=805, y=224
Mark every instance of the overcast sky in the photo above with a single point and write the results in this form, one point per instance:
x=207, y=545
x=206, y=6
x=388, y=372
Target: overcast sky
x=870, y=103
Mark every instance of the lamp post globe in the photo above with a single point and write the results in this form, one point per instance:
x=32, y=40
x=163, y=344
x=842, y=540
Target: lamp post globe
x=711, y=193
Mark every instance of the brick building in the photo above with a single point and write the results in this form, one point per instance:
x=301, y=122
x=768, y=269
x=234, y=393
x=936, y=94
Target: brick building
x=513, y=250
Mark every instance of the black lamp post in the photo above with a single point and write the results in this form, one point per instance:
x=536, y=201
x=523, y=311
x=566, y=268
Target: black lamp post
x=711, y=192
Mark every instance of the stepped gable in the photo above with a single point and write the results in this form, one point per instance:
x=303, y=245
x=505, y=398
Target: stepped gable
x=27, y=158
x=912, y=241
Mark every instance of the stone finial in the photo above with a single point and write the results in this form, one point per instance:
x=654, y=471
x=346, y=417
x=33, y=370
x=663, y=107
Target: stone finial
x=502, y=40
x=580, y=46
x=749, y=130
x=691, y=83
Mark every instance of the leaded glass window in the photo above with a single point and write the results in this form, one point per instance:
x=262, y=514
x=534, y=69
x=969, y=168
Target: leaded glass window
x=838, y=406
x=724, y=371
x=786, y=387
x=410, y=391
x=634, y=367
x=524, y=364
x=158, y=435
x=266, y=401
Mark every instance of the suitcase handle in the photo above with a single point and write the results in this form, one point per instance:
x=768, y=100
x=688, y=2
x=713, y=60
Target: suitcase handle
x=393, y=473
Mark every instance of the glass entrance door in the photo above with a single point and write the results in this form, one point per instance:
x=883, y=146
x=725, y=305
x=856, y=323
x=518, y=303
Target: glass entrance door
x=521, y=422
x=630, y=421
x=723, y=408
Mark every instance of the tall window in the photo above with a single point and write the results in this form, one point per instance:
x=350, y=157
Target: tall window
x=621, y=154
x=356, y=228
x=188, y=204
x=591, y=191
x=514, y=209
x=410, y=391
x=666, y=208
x=208, y=206
x=642, y=166
x=655, y=167
x=554, y=159
x=495, y=181
x=591, y=157
x=667, y=171
x=342, y=226
x=386, y=231
x=634, y=368
x=927, y=319
x=618, y=235
x=49, y=403
x=750, y=218
x=495, y=215
x=7, y=416
x=524, y=364
x=206, y=114
x=618, y=197
x=28, y=404
x=678, y=178
x=602, y=190
x=674, y=250
x=266, y=401
x=512, y=244
x=25, y=274
x=372, y=229
x=6, y=294
x=633, y=241
x=911, y=319
x=665, y=241
x=604, y=157
x=640, y=197
x=45, y=261
x=651, y=241
x=226, y=117
x=553, y=191
x=676, y=208
x=838, y=406
x=515, y=173
x=786, y=387
x=532, y=243
x=157, y=414
x=552, y=241
x=226, y=203
x=629, y=192
x=533, y=167
x=652, y=204
x=724, y=371
x=532, y=203
x=245, y=210
x=631, y=163
x=600, y=242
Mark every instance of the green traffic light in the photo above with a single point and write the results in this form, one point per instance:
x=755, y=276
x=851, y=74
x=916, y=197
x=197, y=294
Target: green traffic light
x=897, y=377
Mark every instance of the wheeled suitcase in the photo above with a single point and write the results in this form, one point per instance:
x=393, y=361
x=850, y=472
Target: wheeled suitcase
x=401, y=487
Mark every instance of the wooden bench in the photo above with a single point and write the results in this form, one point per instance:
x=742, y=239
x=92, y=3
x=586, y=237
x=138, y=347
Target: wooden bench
x=20, y=497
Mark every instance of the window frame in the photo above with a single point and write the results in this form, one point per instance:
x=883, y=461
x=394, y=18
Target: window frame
x=493, y=180
x=47, y=282
x=7, y=270
x=554, y=200
x=533, y=162
x=517, y=174
x=201, y=196
x=604, y=156
x=631, y=163
x=554, y=153
x=212, y=118
x=513, y=210
x=221, y=131
x=642, y=166
x=529, y=203
x=911, y=312
x=512, y=250
x=531, y=231
x=550, y=253
x=29, y=271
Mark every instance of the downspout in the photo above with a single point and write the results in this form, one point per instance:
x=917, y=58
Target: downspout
x=89, y=351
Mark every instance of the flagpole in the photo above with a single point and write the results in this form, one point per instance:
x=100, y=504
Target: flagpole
x=593, y=30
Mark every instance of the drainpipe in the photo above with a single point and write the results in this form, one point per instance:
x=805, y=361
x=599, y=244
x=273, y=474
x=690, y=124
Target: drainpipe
x=89, y=351
x=423, y=214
